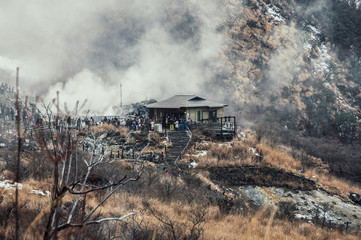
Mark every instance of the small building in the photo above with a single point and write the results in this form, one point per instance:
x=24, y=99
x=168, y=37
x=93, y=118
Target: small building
x=186, y=106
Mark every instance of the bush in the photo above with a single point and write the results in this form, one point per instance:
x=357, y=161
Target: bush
x=154, y=138
x=286, y=210
x=345, y=117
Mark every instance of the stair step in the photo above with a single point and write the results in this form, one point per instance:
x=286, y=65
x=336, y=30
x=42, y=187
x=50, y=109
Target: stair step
x=179, y=140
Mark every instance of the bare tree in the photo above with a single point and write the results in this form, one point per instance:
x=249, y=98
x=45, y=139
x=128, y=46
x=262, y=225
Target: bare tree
x=58, y=146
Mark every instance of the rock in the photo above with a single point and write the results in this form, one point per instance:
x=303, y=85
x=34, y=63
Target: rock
x=7, y=185
x=256, y=196
x=104, y=135
x=40, y=193
x=356, y=198
x=193, y=165
x=288, y=195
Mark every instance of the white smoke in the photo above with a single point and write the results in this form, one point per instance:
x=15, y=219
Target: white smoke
x=85, y=49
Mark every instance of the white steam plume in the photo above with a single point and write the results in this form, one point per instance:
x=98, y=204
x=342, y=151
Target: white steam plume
x=85, y=49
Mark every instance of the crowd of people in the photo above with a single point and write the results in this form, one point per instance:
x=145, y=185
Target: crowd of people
x=7, y=113
x=81, y=123
x=142, y=123
x=6, y=88
x=174, y=123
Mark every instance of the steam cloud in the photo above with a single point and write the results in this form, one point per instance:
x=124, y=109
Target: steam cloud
x=85, y=49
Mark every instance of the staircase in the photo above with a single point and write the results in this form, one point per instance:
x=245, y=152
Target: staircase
x=179, y=140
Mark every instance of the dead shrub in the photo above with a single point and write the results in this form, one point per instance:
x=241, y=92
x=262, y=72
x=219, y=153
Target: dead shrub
x=278, y=158
x=199, y=134
x=103, y=128
x=286, y=210
x=240, y=150
x=155, y=138
x=202, y=146
x=220, y=152
x=131, y=140
x=123, y=131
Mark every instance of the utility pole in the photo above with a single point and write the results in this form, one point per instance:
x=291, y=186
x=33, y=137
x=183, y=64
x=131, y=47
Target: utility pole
x=17, y=176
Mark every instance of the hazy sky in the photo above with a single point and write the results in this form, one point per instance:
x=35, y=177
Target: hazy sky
x=85, y=49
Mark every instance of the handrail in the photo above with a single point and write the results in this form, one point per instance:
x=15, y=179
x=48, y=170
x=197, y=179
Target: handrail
x=189, y=133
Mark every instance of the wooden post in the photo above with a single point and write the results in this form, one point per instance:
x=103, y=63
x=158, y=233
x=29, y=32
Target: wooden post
x=347, y=223
x=221, y=126
x=234, y=126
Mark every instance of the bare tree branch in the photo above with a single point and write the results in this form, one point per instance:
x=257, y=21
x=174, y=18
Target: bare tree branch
x=109, y=194
x=67, y=225
x=99, y=188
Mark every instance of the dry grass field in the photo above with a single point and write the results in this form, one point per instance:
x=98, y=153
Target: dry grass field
x=172, y=207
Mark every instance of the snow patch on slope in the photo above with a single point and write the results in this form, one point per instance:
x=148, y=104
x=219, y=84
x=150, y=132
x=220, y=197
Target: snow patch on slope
x=322, y=65
x=275, y=12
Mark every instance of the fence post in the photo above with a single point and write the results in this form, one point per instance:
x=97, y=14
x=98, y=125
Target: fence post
x=222, y=127
x=234, y=127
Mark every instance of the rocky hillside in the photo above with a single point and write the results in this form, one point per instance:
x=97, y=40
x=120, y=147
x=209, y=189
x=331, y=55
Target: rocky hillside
x=297, y=59
x=293, y=73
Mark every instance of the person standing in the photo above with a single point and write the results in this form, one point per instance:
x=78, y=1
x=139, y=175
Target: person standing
x=78, y=122
x=166, y=122
x=68, y=121
x=152, y=125
x=176, y=125
x=171, y=121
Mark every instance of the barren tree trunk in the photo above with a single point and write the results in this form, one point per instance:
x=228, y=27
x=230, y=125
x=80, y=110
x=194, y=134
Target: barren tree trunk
x=52, y=219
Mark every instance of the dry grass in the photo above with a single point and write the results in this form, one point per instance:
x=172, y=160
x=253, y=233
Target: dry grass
x=123, y=131
x=244, y=153
x=278, y=158
x=154, y=137
x=222, y=155
x=333, y=184
x=109, y=128
x=258, y=226
x=261, y=225
x=101, y=128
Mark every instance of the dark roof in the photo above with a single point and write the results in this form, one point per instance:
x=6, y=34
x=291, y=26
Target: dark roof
x=185, y=101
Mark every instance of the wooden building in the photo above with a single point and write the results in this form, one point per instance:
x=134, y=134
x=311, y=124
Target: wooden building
x=186, y=106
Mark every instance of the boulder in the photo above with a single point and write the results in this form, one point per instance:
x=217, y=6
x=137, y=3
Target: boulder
x=356, y=198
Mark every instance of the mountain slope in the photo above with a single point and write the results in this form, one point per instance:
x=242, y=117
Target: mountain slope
x=294, y=74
